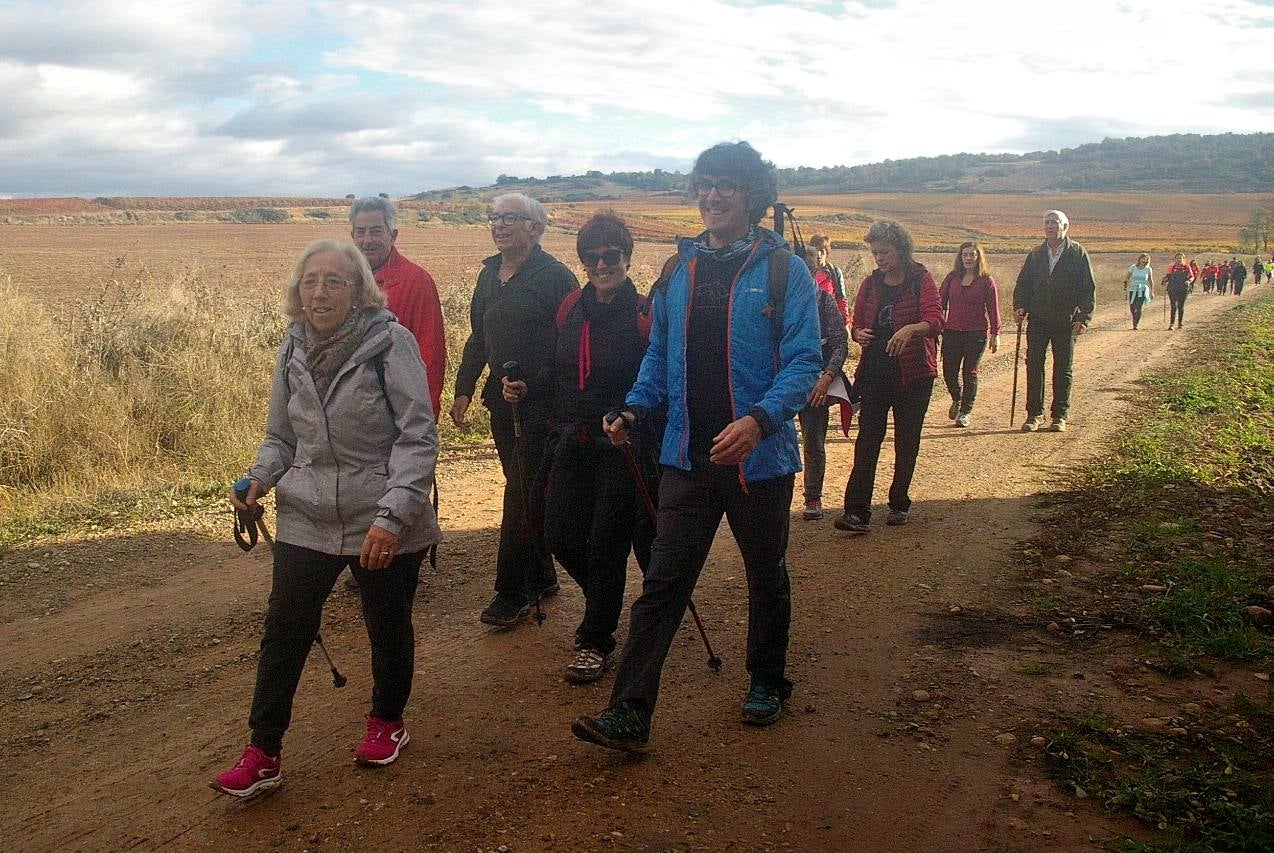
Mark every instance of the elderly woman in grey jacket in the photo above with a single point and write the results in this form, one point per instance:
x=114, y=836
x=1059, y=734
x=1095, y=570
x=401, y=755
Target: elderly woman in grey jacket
x=350, y=449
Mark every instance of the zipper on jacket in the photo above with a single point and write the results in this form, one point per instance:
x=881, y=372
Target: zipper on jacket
x=729, y=346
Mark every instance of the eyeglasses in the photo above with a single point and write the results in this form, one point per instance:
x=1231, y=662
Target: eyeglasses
x=612, y=257
x=725, y=187
x=507, y=218
x=331, y=284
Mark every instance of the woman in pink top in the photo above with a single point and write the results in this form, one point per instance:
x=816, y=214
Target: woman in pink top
x=971, y=307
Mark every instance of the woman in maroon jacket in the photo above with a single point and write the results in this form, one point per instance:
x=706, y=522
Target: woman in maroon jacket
x=897, y=318
x=971, y=305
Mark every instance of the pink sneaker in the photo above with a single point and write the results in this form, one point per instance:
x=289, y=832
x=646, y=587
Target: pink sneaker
x=382, y=743
x=255, y=773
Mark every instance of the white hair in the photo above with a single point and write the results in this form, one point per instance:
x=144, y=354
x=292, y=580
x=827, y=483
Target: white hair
x=533, y=208
x=366, y=293
x=1061, y=217
x=375, y=204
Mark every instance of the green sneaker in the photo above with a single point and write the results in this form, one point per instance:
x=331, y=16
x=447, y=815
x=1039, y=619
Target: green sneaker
x=763, y=704
x=618, y=727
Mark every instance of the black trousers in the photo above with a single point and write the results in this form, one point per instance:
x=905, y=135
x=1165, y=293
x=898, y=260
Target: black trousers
x=1177, y=305
x=522, y=564
x=813, y=421
x=909, y=404
x=302, y=581
x=961, y=355
x=590, y=511
x=1039, y=337
x=691, y=504
x=1135, y=305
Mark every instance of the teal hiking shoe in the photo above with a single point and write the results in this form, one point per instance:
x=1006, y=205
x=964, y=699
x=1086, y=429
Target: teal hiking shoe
x=763, y=704
x=618, y=727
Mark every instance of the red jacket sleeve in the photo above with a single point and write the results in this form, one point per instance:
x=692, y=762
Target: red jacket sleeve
x=930, y=305
x=433, y=346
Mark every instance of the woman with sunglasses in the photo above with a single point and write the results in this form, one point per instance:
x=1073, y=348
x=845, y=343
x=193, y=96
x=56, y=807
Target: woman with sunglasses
x=590, y=499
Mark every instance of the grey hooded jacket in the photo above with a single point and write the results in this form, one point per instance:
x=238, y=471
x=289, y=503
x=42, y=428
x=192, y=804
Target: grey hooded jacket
x=364, y=454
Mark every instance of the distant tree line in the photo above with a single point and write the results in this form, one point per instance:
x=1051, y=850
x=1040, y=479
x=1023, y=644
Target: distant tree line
x=1183, y=162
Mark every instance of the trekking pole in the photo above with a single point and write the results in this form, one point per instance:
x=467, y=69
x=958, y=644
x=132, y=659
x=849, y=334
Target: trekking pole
x=513, y=372
x=1017, y=357
x=714, y=662
x=248, y=523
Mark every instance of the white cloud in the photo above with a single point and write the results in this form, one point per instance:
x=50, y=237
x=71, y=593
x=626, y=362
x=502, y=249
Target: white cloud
x=284, y=96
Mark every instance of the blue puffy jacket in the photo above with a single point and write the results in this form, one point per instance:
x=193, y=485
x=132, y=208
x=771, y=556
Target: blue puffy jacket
x=776, y=376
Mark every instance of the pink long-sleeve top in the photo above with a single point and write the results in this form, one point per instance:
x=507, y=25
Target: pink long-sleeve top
x=972, y=308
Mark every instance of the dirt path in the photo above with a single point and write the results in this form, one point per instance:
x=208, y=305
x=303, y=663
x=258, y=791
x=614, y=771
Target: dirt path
x=127, y=665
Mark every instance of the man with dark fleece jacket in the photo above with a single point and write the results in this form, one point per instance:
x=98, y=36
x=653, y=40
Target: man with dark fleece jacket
x=511, y=318
x=1056, y=290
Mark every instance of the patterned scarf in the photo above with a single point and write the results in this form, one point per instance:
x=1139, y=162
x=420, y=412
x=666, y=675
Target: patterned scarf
x=740, y=246
x=325, y=356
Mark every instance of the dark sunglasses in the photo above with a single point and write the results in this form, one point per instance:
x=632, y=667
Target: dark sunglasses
x=725, y=187
x=612, y=257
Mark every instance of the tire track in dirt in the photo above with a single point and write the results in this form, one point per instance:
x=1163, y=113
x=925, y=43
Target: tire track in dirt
x=855, y=764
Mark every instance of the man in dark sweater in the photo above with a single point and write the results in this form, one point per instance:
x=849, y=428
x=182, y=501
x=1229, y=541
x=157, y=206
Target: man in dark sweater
x=1056, y=290
x=511, y=318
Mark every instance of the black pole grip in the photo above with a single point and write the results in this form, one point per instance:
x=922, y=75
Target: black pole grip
x=512, y=371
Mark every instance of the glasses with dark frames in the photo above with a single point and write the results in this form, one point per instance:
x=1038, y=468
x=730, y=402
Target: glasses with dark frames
x=612, y=257
x=725, y=187
x=507, y=219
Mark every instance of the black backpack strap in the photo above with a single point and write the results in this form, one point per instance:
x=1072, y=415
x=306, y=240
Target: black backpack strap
x=665, y=276
x=780, y=260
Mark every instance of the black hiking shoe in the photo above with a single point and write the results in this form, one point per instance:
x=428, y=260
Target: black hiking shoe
x=505, y=610
x=897, y=517
x=618, y=727
x=853, y=522
x=764, y=703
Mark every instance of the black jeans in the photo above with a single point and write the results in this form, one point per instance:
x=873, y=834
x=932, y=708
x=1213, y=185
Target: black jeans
x=814, y=449
x=961, y=355
x=1135, y=306
x=909, y=404
x=302, y=581
x=522, y=564
x=1039, y=337
x=1177, y=304
x=590, y=506
x=691, y=504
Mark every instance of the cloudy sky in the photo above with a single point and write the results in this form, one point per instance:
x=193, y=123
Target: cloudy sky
x=282, y=97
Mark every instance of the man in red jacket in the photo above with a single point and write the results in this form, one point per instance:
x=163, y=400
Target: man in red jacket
x=409, y=291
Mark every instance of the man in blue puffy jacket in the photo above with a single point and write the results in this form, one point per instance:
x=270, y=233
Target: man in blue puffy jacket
x=734, y=353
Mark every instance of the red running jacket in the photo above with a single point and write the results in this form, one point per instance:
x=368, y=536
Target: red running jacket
x=412, y=296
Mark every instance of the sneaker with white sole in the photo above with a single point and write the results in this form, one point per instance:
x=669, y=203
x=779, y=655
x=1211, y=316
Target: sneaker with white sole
x=954, y=410
x=962, y=419
x=1059, y=425
x=382, y=743
x=255, y=773
x=1033, y=423
x=589, y=665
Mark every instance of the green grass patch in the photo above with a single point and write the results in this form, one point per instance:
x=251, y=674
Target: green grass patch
x=1201, y=793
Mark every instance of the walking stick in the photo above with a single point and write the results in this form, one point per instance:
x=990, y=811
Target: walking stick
x=246, y=526
x=1017, y=356
x=513, y=371
x=714, y=662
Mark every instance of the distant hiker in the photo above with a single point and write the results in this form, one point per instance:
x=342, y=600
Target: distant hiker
x=353, y=491
x=410, y=292
x=1055, y=288
x=897, y=319
x=511, y=317
x=971, y=311
x=1258, y=269
x=734, y=365
x=813, y=417
x=590, y=499
x=1222, y=277
x=1239, y=274
x=1177, y=283
x=1209, y=276
x=1139, y=281
x=822, y=244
